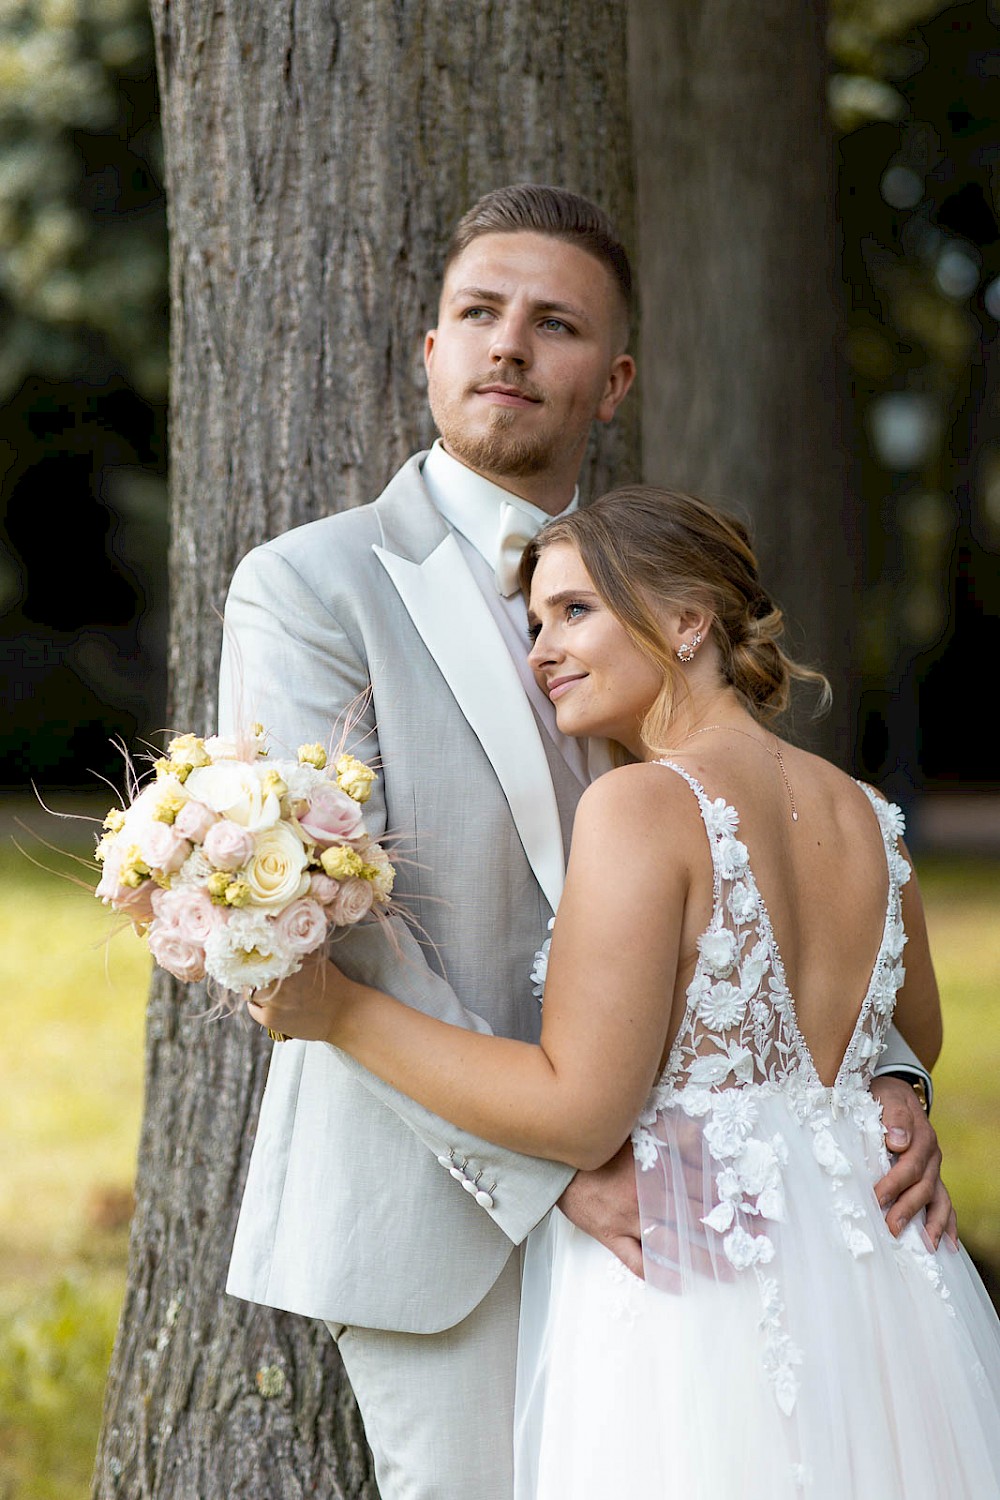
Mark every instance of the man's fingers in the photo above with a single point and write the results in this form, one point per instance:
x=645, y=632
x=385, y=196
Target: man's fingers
x=911, y=1170
x=629, y=1252
x=941, y=1219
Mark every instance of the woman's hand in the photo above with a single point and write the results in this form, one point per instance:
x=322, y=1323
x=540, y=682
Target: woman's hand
x=308, y=1004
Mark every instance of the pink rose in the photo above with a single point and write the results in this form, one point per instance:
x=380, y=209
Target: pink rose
x=302, y=926
x=186, y=961
x=194, y=820
x=186, y=912
x=162, y=848
x=351, y=903
x=323, y=889
x=228, y=845
x=332, y=817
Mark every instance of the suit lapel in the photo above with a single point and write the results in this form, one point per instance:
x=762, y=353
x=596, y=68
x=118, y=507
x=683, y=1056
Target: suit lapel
x=449, y=613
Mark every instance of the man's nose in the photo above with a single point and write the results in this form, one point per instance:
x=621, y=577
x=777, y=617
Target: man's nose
x=511, y=344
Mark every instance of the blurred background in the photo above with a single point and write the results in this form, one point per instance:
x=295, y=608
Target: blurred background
x=915, y=102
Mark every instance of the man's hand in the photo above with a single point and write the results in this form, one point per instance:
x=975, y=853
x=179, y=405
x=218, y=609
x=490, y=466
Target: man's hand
x=914, y=1182
x=604, y=1205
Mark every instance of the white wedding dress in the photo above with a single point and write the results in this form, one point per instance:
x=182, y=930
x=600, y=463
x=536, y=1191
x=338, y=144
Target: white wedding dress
x=783, y=1343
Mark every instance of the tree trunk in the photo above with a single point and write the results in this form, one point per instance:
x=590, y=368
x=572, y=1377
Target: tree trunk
x=318, y=153
x=738, y=331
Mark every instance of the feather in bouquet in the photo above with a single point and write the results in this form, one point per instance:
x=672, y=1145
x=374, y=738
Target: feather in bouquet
x=235, y=867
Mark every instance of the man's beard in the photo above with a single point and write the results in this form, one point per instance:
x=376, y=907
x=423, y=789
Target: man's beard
x=501, y=450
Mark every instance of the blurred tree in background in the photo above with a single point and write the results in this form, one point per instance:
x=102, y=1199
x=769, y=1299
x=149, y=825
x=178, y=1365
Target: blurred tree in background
x=83, y=366
x=915, y=96
x=83, y=358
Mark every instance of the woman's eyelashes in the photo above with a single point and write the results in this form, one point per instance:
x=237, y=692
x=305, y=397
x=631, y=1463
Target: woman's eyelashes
x=573, y=609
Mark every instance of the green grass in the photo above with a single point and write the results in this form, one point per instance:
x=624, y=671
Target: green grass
x=963, y=918
x=70, y=1102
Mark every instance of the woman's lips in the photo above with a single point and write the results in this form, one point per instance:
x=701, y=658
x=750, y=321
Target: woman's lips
x=560, y=685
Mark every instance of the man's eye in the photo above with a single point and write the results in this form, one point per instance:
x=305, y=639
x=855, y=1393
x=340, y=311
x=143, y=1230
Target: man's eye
x=556, y=325
x=475, y=314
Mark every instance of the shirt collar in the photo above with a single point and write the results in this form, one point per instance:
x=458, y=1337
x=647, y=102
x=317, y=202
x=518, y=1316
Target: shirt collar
x=472, y=504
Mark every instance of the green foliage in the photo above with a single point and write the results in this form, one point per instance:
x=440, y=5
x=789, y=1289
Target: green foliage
x=82, y=231
x=54, y=1352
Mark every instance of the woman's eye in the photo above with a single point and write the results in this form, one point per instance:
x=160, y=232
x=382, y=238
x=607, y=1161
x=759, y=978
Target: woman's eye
x=534, y=631
x=575, y=610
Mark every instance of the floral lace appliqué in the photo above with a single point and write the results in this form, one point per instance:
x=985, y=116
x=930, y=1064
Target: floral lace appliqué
x=739, y=1040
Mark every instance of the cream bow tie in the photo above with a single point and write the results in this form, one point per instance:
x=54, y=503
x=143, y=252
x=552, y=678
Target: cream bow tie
x=515, y=532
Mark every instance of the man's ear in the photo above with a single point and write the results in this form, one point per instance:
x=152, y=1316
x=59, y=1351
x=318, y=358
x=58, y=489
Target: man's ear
x=620, y=377
x=429, y=338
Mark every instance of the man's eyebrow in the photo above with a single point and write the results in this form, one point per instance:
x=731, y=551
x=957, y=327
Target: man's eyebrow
x=486, y=294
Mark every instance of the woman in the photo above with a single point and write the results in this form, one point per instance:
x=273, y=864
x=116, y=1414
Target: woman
x=724, y=968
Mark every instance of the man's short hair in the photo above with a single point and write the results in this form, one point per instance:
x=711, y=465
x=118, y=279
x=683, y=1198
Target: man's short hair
x=546, y=210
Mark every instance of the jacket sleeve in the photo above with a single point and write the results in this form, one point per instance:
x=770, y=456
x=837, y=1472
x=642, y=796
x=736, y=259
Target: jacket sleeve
x=901, y=1061
x=288, y=663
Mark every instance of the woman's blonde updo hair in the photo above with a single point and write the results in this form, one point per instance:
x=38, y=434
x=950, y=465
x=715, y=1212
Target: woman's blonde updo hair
x=650, y=549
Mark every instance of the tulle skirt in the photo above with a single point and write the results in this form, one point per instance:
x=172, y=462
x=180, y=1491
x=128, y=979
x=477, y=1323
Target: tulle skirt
x=843, y=1365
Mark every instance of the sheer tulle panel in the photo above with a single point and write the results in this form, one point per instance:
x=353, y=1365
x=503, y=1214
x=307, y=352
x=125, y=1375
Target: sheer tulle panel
x=831, y=1362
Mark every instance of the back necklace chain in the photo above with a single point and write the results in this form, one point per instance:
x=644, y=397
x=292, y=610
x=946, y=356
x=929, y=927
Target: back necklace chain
x=775, y=754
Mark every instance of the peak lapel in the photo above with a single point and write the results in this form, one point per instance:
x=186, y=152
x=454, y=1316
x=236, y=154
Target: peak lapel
x=449, y=613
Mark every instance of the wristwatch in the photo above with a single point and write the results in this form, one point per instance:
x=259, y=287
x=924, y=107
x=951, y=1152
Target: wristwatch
x=919, y=1087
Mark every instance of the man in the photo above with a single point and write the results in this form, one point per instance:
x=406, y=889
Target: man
x=361, y=1208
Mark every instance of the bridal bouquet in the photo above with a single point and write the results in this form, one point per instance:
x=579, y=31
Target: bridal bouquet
x=235, y=866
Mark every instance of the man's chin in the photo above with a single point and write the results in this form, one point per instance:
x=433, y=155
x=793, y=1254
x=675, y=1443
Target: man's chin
x=502, y=454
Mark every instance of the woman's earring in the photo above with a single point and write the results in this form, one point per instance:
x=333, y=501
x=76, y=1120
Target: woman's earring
x=686, y=652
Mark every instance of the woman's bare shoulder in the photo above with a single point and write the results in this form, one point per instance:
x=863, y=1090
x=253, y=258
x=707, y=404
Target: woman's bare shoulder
x=629, y=797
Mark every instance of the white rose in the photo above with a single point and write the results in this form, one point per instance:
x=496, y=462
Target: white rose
x=235, y=790
x=276, y=872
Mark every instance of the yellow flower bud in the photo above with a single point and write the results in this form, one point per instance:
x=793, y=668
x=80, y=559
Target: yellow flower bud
x=134, y=870
x=312, y=755
x=273, y=781
x=162, y=767
x=188, y=750
x=217, y=884
x=115, y=820
x=237, y=893
x=341, y=863
x=168, y=807
x=355, y=778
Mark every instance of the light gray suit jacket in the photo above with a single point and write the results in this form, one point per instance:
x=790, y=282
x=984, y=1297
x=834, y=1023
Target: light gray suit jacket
x=348, y=1214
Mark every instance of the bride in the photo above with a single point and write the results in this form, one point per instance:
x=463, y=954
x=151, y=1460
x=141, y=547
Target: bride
x=728, y=956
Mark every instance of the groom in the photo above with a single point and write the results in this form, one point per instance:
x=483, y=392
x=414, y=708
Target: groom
x=361, y=1208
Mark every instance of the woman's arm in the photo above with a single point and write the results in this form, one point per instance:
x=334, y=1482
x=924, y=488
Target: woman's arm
x=575, y=1096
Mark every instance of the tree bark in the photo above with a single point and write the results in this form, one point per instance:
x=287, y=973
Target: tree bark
x=318, y=153
x=738, y=329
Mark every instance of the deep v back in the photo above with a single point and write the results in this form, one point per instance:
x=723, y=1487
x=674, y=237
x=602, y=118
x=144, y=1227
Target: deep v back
x=740, y=1022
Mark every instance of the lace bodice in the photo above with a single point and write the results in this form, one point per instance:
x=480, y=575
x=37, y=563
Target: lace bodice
x=739, y=1051
x=740, y=1024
